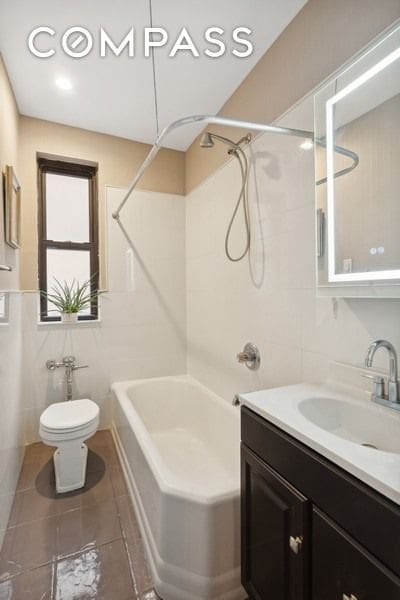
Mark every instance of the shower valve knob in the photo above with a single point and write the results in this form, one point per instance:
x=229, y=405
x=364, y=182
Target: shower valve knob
x=250, y=356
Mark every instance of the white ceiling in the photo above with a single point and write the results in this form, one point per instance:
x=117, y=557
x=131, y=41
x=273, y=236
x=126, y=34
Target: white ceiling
x=115, y=95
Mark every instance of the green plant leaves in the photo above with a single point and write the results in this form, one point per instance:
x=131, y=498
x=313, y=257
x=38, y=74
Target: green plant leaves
x=71, y=297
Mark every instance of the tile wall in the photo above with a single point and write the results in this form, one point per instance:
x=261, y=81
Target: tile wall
x=142, y=328
x=270, y=299
x=11, y=408
x=175, y=304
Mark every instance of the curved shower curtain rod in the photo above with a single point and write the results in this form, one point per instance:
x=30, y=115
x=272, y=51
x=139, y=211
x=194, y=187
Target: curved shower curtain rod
x=215, y=120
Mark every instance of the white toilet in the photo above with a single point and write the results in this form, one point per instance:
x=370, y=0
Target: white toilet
x=67, y=425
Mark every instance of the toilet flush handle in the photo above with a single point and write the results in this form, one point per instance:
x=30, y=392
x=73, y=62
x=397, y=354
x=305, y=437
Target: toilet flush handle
x=52, y=365
x=69, y=363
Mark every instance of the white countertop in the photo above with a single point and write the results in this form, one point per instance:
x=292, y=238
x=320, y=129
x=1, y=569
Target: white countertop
x=377, y=468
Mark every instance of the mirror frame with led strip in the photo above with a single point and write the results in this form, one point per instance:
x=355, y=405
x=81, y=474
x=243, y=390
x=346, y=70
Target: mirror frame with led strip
x=332, y=278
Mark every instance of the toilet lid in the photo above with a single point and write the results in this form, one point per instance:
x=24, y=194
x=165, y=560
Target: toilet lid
x=69, y=415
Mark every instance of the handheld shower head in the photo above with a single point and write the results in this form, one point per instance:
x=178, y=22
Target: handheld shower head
x=236, y=150
x=206, y=140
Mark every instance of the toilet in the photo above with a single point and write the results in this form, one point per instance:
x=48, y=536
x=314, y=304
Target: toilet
x=67, y=425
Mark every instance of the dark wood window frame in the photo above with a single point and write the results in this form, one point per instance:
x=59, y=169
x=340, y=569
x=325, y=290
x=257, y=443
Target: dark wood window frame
x=72, y=169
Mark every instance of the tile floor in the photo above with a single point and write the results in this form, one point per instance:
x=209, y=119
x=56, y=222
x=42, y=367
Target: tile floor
x=76, y=546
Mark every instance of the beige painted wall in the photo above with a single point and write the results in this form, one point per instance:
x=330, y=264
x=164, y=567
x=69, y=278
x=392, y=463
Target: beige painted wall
x=9, y=124
x=118, y=160
x=324, y=35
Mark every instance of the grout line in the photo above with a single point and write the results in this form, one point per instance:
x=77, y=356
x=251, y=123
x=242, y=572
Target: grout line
x=130, y=563
x=53, y=590
x=69, y=510
x=89, y=546
x=25, y=523
x=60, y=558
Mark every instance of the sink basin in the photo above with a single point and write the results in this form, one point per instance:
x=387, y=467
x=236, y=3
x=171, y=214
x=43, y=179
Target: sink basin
x=340, y=422
x=364, y=425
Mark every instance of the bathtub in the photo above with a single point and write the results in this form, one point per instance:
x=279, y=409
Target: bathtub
x=179, y=446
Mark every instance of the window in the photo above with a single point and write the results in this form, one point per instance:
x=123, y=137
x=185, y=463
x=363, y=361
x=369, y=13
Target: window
x=68, y=230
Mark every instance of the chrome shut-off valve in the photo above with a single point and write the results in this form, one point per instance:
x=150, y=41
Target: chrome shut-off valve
x=250, y=356
x=69, y=363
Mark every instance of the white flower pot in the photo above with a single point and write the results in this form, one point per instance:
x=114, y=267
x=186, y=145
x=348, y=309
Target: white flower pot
x=69, y=317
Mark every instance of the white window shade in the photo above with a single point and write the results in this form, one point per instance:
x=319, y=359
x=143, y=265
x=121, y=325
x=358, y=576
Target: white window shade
x=67, y=208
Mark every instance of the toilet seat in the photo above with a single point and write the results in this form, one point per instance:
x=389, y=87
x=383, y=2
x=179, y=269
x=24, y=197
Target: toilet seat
x=69, y=416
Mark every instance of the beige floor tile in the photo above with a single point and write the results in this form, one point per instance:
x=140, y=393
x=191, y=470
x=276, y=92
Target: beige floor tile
x=134, y=544
x=88, y=527
x=28, y=546
x=102, y=573
x=38, y=453
x=149, y=595
x=97, y=489
x=95, y=462
x=129, y=522
x=118, y=481
x=106, y=452
x=86, y=544
x=102, y=437
x=31, y=585
x=32, y=473
x=32, y=505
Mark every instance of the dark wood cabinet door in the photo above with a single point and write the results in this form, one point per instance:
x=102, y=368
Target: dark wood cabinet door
x=343, y=570
x=275, y=533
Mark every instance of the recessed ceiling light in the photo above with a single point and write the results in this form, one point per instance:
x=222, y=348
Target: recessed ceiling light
x=307, y=145
x=63, y=83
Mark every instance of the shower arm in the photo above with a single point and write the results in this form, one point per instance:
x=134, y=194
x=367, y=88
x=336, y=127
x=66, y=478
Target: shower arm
x=228, y=142
x=215, y=120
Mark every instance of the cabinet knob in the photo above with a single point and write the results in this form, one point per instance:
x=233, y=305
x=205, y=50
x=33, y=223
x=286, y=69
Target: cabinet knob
x=295, y=544
x=351, y=597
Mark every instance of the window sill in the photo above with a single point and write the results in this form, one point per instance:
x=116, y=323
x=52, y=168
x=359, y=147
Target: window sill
x=76, y=324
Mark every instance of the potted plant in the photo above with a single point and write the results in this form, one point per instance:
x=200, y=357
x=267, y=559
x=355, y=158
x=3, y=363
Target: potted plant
x=70, y=298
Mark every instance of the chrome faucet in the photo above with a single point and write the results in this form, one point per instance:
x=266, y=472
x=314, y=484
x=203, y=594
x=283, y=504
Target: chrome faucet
x=69, y=363
x=392, y=398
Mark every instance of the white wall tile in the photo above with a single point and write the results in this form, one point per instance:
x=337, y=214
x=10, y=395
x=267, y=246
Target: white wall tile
x=272, y=299
x=11, y=408
x=142, y=332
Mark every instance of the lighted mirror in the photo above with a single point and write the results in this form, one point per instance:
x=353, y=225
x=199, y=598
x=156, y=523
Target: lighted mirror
x=4, y=307
x=357, y=171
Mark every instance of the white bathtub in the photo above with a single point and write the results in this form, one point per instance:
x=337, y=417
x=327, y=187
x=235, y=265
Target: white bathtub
x=179, y=445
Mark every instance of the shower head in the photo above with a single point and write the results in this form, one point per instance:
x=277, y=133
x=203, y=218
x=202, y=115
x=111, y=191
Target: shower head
x=206, y=140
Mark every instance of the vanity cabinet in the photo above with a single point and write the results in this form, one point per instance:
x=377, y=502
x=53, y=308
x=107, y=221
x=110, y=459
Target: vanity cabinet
x=311, y=531
x=341, y=567
x=274, y=512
